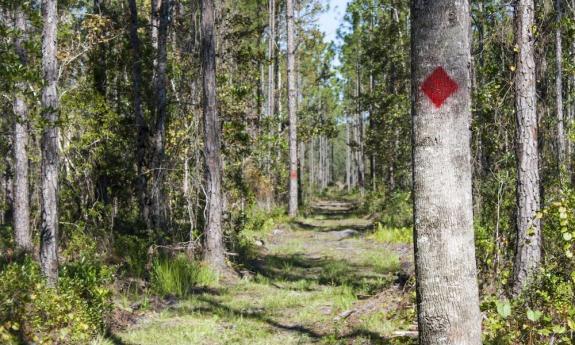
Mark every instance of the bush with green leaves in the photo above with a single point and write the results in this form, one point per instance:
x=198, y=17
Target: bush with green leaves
x=543, y=314
x=393, y=209
x=545, y=311
x=72, y=313
x=132, y=251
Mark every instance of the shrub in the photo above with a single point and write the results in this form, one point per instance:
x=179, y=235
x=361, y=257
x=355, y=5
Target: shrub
x=178, y=276
x=73, y=313
x=545, y=312
x=251, y=225
x=133, y=253
x=394, y=210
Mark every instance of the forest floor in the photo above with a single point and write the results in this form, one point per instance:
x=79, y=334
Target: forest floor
x=322, y=279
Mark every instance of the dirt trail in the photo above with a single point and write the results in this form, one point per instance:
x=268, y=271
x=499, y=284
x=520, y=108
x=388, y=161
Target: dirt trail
x=319, y=280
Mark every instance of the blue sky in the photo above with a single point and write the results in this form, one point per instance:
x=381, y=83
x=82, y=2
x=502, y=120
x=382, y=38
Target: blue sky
x=331, y=20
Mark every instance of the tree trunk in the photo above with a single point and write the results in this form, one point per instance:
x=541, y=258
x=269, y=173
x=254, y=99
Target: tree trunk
x=372, y=167
x=348, y=154
x=312, y=164
x=21, y=217
x=271, y=56
x=293, y=181
x=49, y=145
x=570, y=114
x=213, y=235
x=155, y=25
x=142, y=135
x=561, y=142
x=528, y=255
x=447, y=292
x=159, y=207
x=360, y=136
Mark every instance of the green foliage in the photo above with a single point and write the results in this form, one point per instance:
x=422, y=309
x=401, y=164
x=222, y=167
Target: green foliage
x=545, y=311
x=179, y=276
x=391, y=209
x=71, y=314
x=252, y=225
x=132, y=252
x=392, y=235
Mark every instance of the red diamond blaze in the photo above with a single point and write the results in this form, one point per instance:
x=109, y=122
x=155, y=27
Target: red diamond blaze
x=439, y=87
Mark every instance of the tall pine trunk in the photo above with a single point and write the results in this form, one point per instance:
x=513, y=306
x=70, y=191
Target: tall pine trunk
x=447, y=293
x=360, y=136
x=21, y=217
x=271, y=57
x=561, y=142
x=214, y=251
x=528, y=255
x=348, y=154
x=293, y=181
x=158, y=198
x=49, y=145
x=142, y=127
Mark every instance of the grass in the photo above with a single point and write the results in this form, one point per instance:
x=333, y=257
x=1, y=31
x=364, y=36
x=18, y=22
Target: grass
x=179, y=276
x=382, y=262
x=392, y=235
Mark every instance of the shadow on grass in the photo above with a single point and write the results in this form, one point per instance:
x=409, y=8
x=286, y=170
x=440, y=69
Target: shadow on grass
x=114, y=339
x=223, y=311
x=302, y=225
x=324, y=271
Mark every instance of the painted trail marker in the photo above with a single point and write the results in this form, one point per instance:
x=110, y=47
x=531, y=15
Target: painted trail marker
x=438, y=87
x=293, y=174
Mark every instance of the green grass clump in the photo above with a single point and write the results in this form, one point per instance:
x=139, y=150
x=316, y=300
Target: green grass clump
x=178, y=276
x=392, y=235
x=382, y=262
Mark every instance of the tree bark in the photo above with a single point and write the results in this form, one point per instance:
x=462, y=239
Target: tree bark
x=214, y=252
x=348, y=154
x=271, y=56
x=360, y=136
x=570, y=114
x=528, y=255
x=21, y=217
x=561, y=139
x=158, y=199
x=49, y=145
x=447, y=292
x=142, y=135
x=293, y=181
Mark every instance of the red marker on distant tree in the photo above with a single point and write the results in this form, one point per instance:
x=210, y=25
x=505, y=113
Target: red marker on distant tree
x=293, y=174
x=438, y=87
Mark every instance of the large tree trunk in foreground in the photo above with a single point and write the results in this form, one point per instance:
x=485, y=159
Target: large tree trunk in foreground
x=447, y=292
x=528, y=254
x=142, y=135
x=22, y=234
x=293, y=180
x=213, y=234
x=49, y=146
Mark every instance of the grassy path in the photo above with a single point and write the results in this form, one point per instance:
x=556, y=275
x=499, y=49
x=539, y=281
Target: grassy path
x=319, y=280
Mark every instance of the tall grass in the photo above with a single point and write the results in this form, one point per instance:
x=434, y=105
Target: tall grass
x=178, y=276
x=392, y=235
